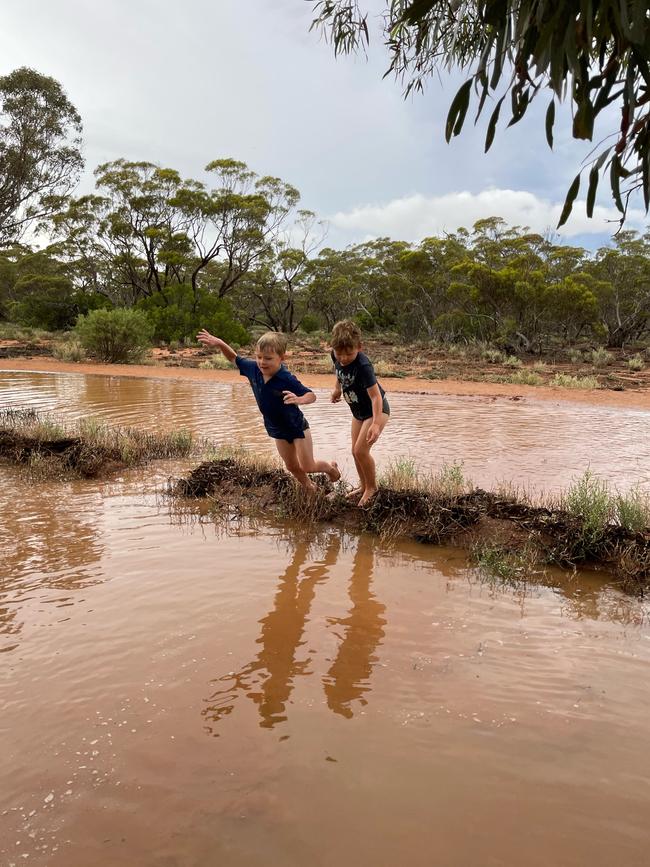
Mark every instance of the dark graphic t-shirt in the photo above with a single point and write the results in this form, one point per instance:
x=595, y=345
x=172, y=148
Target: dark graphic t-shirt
x=355, y=379
x=282, y=421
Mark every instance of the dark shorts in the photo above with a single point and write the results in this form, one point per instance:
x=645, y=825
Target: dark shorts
x=385, y=408
x=289, y=434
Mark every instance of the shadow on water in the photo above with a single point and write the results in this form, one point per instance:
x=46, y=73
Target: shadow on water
x=268, y=679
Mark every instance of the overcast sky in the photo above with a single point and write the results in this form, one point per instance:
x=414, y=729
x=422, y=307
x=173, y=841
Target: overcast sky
x=183, y=82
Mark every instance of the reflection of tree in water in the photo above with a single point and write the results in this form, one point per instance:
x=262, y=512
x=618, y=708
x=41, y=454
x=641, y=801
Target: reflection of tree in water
x=268, y=679
x=47, y=544
x=349, y=675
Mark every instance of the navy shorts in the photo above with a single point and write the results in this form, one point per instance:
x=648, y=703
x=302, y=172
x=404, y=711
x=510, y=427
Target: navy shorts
x=277, y=432
x=385, y=408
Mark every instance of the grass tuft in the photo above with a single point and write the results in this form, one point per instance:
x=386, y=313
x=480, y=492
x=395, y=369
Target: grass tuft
x=636, y=363
x=525, y=377
x=563, y=380
x=85, y=448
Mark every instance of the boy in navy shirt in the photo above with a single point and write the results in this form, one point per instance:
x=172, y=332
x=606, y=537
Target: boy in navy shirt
x=279, y=395
x=357, y=383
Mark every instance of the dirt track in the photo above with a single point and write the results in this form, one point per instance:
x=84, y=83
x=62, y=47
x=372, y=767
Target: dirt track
x=638, y=399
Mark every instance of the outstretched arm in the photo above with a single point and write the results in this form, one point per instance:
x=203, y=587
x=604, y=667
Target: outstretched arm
x=208, y=339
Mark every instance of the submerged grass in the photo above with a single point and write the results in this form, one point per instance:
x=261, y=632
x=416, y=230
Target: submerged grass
x=496, y=562
x=50, y=447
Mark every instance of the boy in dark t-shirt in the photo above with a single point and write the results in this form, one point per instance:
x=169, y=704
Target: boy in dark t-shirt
x=357, y=384
x=279, y=395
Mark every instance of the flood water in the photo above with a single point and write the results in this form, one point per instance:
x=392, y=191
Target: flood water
x=536, y=444
x=177, y=693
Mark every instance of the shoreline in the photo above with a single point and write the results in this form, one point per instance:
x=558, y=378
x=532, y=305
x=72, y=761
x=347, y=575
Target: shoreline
x=407, y=385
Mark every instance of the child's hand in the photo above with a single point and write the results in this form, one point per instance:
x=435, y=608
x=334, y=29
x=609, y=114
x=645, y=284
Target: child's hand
x=207, y=339
x=290, y=398
x=335, y=396
x=373, y=434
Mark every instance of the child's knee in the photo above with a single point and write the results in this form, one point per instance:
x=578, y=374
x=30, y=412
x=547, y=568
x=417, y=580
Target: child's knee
x=360, y=450
x=293, y=466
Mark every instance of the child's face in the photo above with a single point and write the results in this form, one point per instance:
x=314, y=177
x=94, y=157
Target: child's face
x=268, y=361
x=346, y=355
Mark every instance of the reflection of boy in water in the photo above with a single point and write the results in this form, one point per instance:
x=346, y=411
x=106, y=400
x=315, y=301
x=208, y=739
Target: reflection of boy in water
x=268, y=679
x=349, y=675
x=357, y=383
x=279, y=395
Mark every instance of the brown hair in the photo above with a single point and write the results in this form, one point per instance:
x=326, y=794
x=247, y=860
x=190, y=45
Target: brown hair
x=346, y=334
x=273, y=341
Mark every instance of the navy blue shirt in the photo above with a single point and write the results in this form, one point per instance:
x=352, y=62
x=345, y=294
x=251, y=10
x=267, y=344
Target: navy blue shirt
x=282, y=421
x=355, y=379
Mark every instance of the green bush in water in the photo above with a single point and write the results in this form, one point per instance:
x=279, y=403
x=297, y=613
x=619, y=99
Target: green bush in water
x=177, y=316
x=115, y=336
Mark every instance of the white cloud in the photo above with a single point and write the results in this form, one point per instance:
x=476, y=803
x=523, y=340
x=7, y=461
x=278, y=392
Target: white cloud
x=412, y=218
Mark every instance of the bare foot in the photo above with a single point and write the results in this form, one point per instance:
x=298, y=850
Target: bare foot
x=367, y=497
x=354, y=493
x=336, y=474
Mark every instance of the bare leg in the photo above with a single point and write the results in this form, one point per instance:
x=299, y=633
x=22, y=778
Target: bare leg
x=289, y=455
x=305, y=453
x=363, y=458
x=358, y=491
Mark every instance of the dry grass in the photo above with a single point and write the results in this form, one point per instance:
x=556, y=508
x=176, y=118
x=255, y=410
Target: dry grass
x=86, y=448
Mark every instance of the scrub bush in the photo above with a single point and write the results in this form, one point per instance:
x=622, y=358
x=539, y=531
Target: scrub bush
x=115, y=336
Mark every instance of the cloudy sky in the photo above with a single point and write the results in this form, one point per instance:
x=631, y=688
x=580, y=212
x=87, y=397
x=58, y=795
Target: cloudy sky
x=182, y=82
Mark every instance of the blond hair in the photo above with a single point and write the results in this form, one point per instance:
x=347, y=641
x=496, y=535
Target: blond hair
x=346, y=334
x=272, y=341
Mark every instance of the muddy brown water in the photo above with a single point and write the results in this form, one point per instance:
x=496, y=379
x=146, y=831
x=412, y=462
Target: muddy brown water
x=175, y=693
x=539, y=445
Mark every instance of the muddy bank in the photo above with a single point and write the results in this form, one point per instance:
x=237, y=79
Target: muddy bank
x=475, y=520
x=639, y=399
x=87, y=450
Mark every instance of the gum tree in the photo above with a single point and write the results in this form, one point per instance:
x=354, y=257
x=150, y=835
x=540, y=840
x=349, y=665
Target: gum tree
x=40, y=157
x=595, y=54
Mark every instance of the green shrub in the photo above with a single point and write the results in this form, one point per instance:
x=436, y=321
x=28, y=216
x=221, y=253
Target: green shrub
x=636, y=363
x=216, y=362
x=563, y=380
x=177, y=316
x=493, y=356
x=588, y=498
x=51, y=302
x=401, y=474
x=633, y=510
x=512, y=361
x=525, y=377
x=115, y=336
x=309, y=323
x=601, y=357
x=575, y=356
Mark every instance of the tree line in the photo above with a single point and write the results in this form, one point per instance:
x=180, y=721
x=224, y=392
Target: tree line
x=239, y=253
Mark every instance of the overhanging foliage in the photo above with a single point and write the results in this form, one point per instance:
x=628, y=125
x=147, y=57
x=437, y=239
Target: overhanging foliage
x=595, y=53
